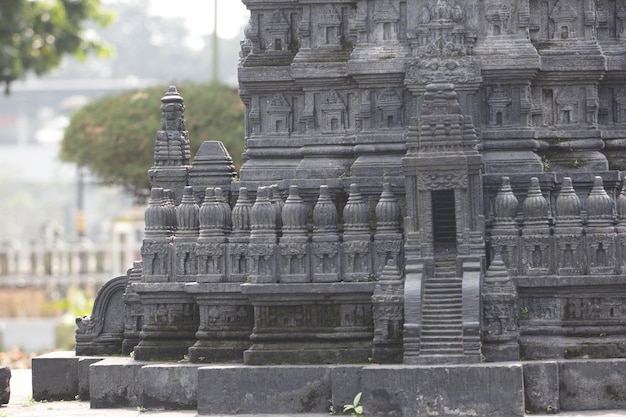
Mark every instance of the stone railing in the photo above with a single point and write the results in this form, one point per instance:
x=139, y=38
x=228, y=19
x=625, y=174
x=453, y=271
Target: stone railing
x=270, y=240
x=60, y=259
x=560, y=235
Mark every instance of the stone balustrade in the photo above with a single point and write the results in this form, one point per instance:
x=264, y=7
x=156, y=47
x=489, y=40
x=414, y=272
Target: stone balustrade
x=270, y=240
x=563, y=233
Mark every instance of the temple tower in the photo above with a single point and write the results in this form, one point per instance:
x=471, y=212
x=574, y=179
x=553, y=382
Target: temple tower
x=445, y=240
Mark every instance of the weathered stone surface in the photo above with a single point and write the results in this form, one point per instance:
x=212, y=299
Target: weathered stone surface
x=116, y=382
x=55, y=376
x=83, y=375
x=592, y=384
x=495, y=124
x=170, y=386
x=541, y=387
x=102, y=332
x=236, y=389
x=5, y=385
x=454, y=390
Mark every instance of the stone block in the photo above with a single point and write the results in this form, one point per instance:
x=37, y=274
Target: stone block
x=55, y=376
x=83, y=375
x=456, y=390
x=592, y=384
x=541, y=387
x=5, y=385
x=346, y=383
x=115, y=382
x=278, y=389
x=170, y=386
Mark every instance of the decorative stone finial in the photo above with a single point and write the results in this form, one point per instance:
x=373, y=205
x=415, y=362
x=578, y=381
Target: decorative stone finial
x=621, y=203
x=535, y=205
x=388, y=213
x=567, y=206
x=263, y=213
x=505, y=205
x=241, y=213
x=187, y=214
x=294, y=213
x=211, y=215
x=599, y=204
x=356, y=212
x=156, y=214
x=325, y=216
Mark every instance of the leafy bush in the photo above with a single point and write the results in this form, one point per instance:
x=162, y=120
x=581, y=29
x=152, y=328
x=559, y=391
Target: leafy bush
x=114, y=137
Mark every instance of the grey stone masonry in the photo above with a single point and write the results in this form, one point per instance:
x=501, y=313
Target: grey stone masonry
x=426, y=182
x=427, y=185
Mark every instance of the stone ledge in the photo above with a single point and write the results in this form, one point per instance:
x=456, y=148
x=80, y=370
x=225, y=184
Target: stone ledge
x=488, y=389
x=55, y=377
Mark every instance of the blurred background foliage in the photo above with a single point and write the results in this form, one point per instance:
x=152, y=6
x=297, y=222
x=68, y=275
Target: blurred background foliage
x=36, y=35
x=114, y=136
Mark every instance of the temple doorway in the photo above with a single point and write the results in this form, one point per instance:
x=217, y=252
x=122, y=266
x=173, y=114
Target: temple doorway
x=444, y=222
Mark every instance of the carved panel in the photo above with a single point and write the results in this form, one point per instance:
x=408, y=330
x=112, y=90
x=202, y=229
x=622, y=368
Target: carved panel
x=325, y=317
x=442, y=181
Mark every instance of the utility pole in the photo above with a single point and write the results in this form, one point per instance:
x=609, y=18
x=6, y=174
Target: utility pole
x=215, y=75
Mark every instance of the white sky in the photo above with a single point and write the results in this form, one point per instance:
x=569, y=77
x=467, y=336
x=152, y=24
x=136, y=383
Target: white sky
x=232, y=15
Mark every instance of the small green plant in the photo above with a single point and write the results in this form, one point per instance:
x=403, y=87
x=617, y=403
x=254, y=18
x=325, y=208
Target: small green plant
x=141, y=409
x=523, y=313
x=331, y=408
x=545, y=161
x=355, y=409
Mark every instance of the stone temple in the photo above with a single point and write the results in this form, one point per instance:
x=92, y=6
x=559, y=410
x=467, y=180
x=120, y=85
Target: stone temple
x=431, y=211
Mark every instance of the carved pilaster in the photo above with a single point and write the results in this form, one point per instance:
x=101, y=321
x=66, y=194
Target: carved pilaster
x=388, y=311
x=388, y=241
x=325, y=241
x=356, y=246
x=568, y=232
x=263, y=239
x=600, y=231
x=238, y=268
x=536, y=240
x=294, y=243
x=187, y=215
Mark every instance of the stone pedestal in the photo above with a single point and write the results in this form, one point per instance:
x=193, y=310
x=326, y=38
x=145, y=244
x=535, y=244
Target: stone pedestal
x=170, y=321
x=310, y=323
x=226, y=320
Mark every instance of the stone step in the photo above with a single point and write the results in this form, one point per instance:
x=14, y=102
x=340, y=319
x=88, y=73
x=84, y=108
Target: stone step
x=448, y=285
x=439, y=349
x=449, y=316
x=438, y=293
x=450, y=326
x=445, y=278
x=442, y=337
x=451, y=306
x=445, y=271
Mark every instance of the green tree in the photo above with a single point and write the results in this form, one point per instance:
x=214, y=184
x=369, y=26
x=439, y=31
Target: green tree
x=35, y=35
x=114, y=137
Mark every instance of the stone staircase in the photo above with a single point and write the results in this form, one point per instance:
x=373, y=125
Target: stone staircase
x=442, y=327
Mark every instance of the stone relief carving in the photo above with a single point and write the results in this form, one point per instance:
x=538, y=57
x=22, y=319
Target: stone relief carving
x=334, y=113
x=386, y=20
x=563, y=16
x=278, y=33
x=329, y=28
x=442, y=181
x=389, y=108
x=279, y=111
x=499, y=102
x=498, y=15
